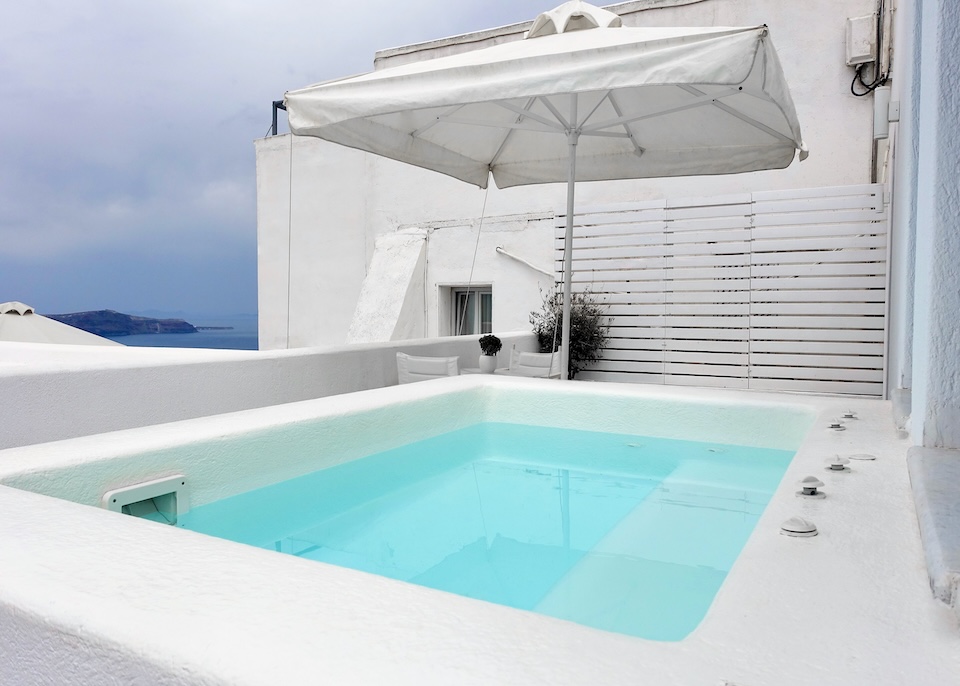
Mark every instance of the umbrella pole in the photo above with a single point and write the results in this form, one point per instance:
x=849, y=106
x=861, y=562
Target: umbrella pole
x=572, y=137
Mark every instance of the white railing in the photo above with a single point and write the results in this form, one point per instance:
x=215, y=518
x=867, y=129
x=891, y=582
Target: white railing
x=779, y=290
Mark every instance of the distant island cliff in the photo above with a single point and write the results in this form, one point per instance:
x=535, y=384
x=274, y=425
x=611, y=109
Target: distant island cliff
x=111, y=323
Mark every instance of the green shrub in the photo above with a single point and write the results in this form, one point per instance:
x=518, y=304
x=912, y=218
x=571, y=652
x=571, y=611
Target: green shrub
x=490, y=344
x=589, y=327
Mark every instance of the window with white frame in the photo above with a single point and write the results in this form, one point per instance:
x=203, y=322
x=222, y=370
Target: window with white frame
x=471, y=310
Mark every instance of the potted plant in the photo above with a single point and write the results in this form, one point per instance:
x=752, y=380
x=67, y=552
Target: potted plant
x=489, y=347
x=589, y=327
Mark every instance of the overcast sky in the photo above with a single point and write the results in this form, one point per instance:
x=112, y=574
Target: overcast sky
x=127, y=176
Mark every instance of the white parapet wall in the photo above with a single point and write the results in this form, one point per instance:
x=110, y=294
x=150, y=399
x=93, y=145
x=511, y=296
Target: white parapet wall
x=54, y=392
x=90, y=596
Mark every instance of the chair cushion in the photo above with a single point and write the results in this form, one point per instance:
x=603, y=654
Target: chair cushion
x=534, y=364
x=411, y=368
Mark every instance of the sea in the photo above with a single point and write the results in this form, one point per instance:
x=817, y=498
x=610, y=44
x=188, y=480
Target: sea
x=242, y=334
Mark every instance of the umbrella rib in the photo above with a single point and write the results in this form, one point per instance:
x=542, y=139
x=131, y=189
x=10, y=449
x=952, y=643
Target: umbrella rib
x=699, y=102
x=742, y=117
x=611, y=134
x=556, y=113
x=506, y=138
x=497, y=125
x=596, y=107
x=438, y=118
x=533, y=115
x=753, y=122
x=637, y=148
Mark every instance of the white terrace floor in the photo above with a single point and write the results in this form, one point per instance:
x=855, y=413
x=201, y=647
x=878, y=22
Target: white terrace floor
x=88, y=596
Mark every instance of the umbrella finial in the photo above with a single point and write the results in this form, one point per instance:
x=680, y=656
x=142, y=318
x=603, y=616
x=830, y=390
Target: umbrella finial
x=14, y=307
x=572, y=16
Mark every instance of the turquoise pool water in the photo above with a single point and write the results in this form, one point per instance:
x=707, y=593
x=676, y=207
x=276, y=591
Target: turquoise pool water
x=623, y=533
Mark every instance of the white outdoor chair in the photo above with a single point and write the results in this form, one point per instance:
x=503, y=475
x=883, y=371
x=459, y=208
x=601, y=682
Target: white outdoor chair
x=411, y=368
x=542, y=365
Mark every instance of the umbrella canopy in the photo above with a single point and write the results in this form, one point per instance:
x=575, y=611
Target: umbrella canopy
x=19, y=323
x=581, y=99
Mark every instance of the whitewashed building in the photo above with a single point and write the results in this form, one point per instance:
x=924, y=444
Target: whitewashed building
x=771, y=280
x=88, y=596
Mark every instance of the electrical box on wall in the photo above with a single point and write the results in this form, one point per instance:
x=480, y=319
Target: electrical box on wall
x=881, y=112
x=861, y=40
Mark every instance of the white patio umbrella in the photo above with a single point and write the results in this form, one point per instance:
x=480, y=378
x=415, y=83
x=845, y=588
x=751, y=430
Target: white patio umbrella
x=19, y=323
x=582, y=98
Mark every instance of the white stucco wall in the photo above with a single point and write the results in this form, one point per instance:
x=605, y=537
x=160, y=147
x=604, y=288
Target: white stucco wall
x=516, y=287
x=391, y=303
x=57, y=392
x=311, y=258
x=343, y=199
x=936, y=333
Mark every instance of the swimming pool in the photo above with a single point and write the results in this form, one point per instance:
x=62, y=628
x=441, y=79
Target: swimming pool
x=136, y=598
x=624, y=533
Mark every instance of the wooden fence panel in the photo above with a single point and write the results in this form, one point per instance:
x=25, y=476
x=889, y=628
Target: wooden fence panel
x=775, y=290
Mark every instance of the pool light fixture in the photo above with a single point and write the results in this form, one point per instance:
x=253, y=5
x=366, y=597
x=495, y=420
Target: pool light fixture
x=798, y=527
x=837, y=464
x=809, y=486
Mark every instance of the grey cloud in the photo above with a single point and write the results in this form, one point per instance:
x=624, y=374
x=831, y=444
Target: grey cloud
x=127, y=131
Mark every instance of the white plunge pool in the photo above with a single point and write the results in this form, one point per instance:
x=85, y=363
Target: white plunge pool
x=139, y=599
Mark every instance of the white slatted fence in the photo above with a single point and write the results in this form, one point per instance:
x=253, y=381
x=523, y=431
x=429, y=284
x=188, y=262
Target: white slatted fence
x=780, y=290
